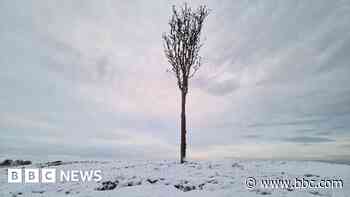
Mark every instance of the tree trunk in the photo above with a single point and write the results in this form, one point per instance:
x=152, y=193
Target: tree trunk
x=183, y=127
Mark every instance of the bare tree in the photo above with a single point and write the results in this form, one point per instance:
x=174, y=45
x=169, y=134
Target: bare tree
x=181, y=46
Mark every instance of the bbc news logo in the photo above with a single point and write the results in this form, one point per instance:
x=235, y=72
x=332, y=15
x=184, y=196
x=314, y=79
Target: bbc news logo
x=51, y=175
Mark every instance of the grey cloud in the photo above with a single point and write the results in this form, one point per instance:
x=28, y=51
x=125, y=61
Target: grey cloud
x=252, y=136
x=306, y=139
x=305, y=130
x=346, y=146
x=324, y=133
x=223, y=88
x=272, y=71
x=215, y=87
x=292, y=123
x=73, y=65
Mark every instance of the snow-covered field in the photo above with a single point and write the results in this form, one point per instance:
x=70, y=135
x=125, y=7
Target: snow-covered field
x=197, y=178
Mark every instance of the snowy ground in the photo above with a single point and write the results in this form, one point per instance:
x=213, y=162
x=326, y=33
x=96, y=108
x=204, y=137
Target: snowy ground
x=169, y=178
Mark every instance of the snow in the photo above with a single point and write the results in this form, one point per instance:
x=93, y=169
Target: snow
x=169, y=178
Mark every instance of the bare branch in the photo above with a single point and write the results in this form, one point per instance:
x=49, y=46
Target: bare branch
x=182, y=43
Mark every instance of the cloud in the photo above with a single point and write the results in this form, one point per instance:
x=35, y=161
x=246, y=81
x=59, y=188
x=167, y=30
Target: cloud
x=274, y=74
x=217, y=87
x=298, y=122
x=324, y=133
x=252, y=136
x=306, y=139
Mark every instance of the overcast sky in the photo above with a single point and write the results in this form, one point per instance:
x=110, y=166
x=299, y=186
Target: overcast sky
x=88, y=78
